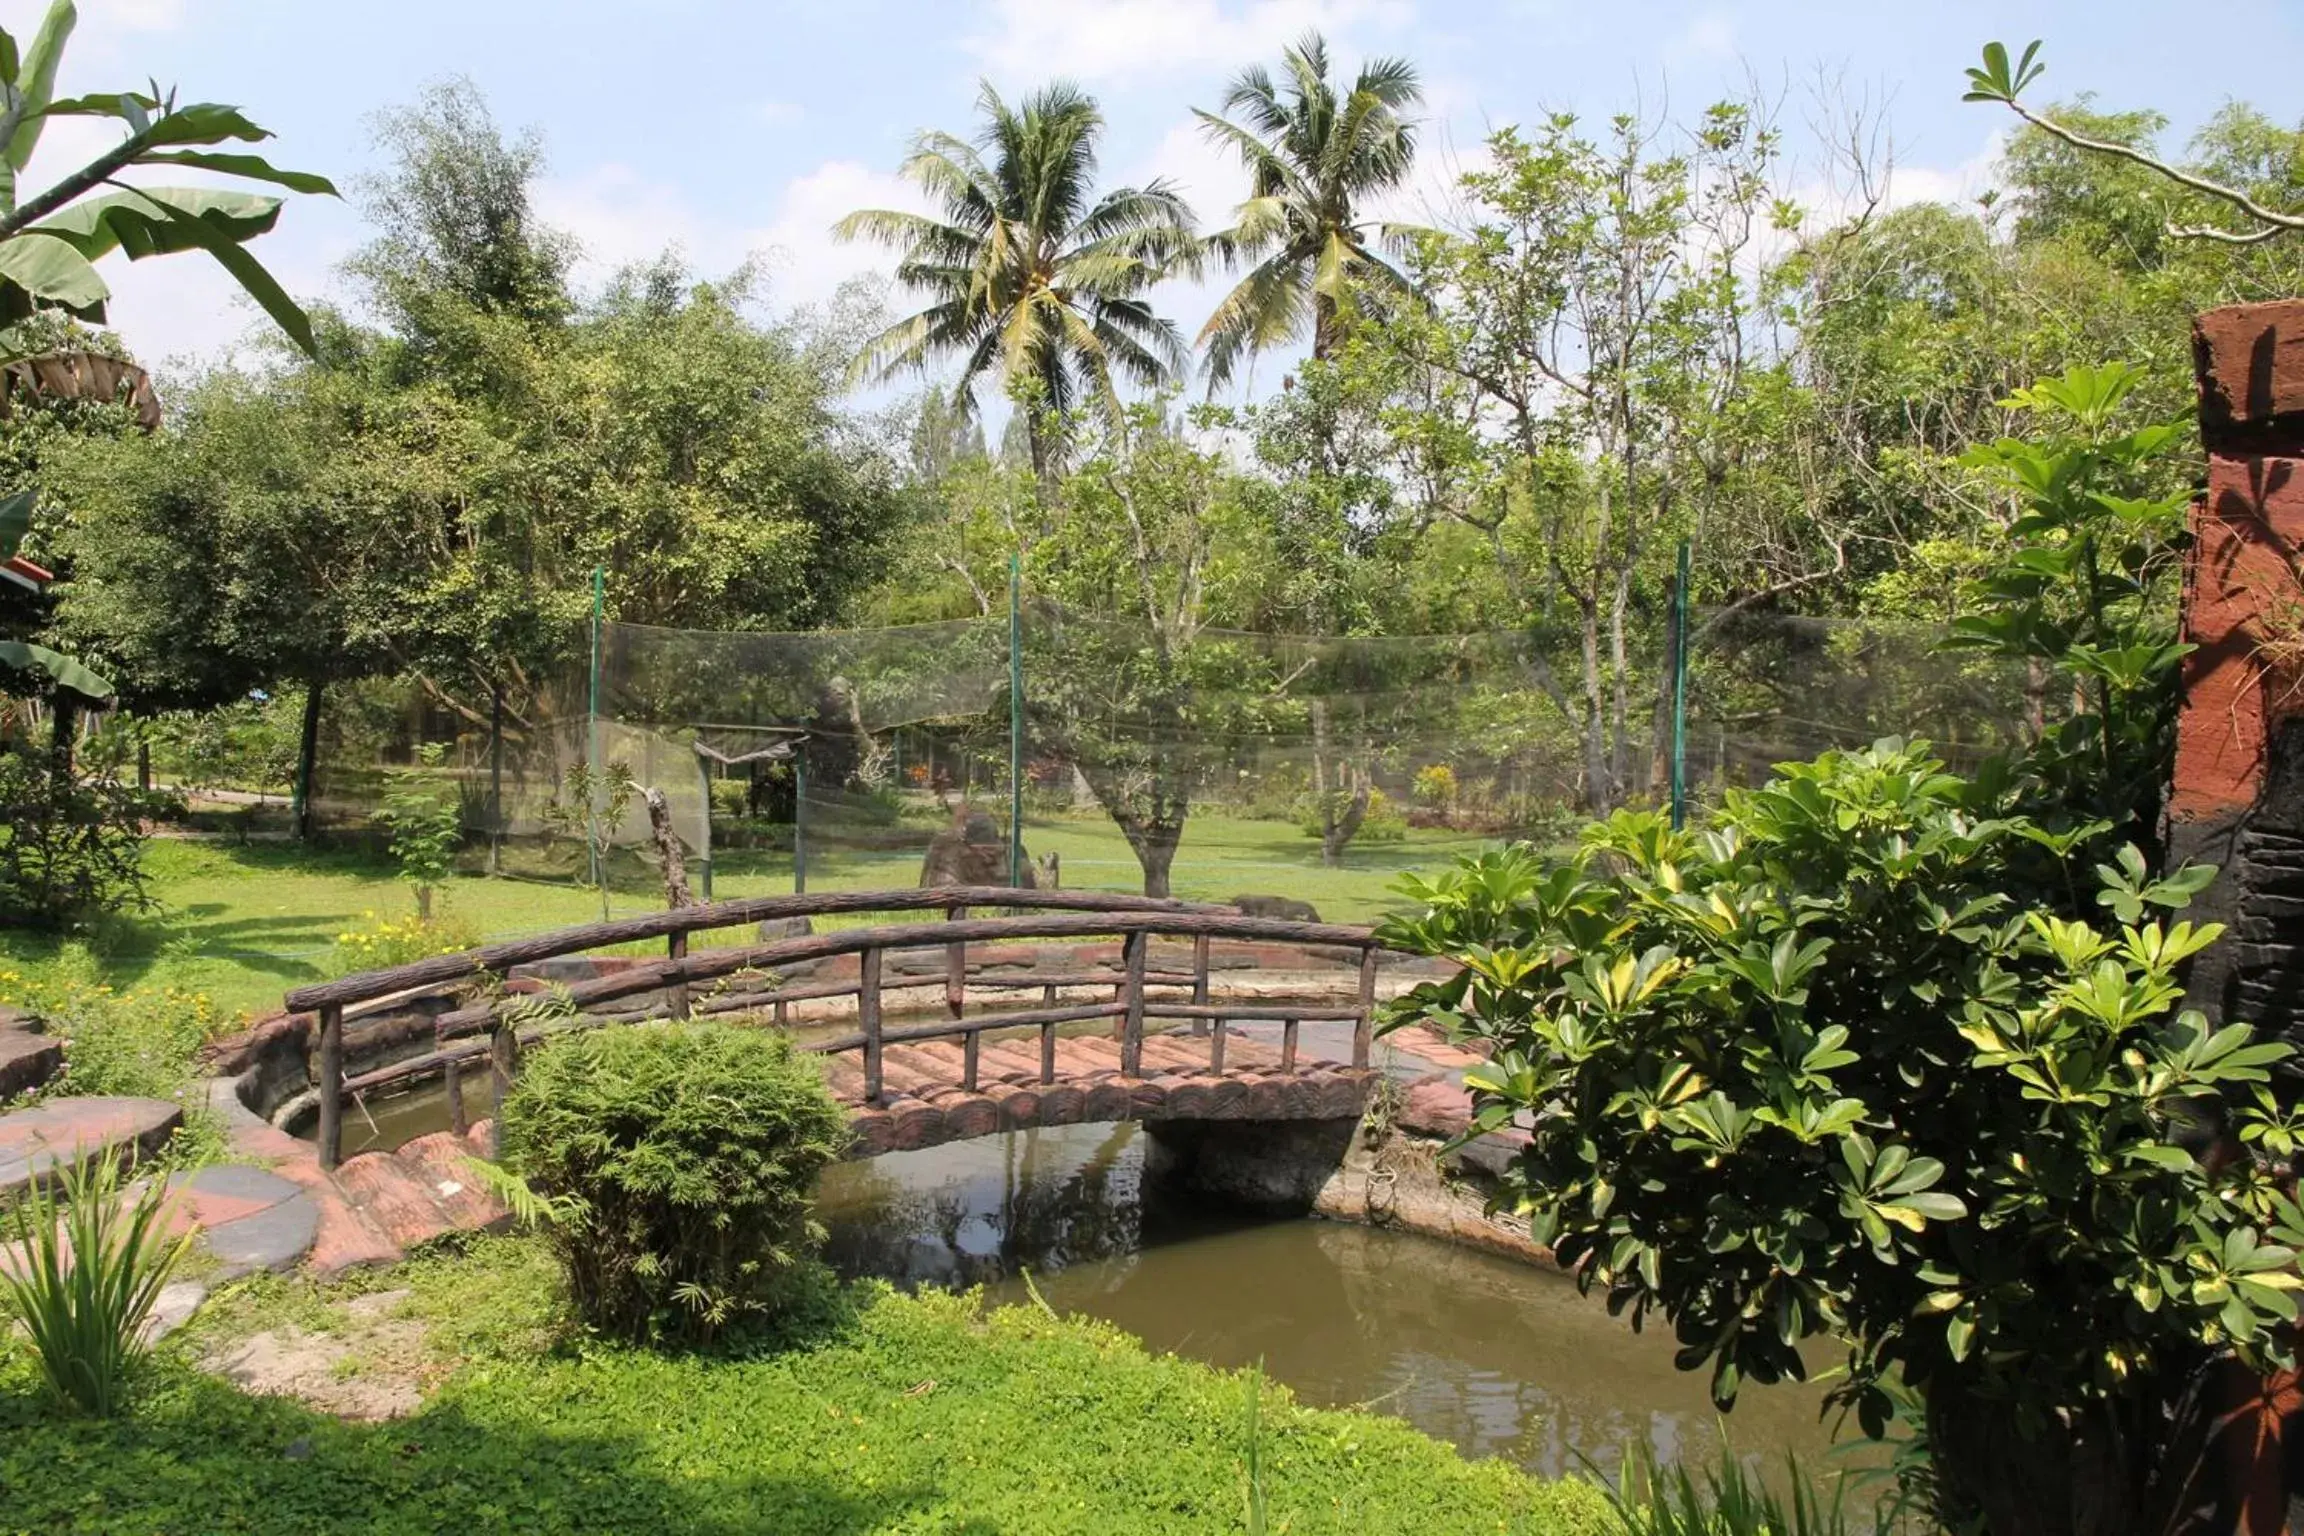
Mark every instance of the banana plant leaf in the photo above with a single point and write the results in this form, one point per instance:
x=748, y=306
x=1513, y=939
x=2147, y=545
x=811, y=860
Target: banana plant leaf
x=60, y=670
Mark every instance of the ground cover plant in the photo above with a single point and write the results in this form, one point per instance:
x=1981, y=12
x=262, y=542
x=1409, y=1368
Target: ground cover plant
x=887, y=1413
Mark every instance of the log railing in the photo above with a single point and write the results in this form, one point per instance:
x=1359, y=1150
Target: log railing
x=722, y=979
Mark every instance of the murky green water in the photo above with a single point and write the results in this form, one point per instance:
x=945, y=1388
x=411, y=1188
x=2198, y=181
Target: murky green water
x=1493, y=1356
x=1498, y=1358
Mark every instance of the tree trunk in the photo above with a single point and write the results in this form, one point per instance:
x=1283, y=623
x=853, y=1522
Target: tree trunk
x=1156, y=850
x=668, y=854
x=1599, y=794
x=1340, y=823
x=307, y=759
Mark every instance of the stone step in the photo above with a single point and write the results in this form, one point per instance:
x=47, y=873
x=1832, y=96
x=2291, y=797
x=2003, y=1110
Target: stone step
x=394, y=1197
x=345, y=1239
x=35, y=1143
x=27, y=1060
x=249, y=1218
x=444, y=1161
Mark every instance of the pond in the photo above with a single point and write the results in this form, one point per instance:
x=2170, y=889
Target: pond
x=1491, y=1355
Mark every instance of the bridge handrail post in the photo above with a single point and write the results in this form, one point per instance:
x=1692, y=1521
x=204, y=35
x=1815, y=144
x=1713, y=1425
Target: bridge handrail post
x=956, y=968
x=676, y=949
x=868, y=1019
x=452, y=1078
x=331, y=1084
x=503, y=1065
x=1200, y=979
x=1132, y=1002
x=1364, y=1022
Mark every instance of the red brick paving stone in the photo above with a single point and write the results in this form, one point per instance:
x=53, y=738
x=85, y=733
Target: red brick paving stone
x=1172, y=1055
x=1435, y=1106
x=1094, y=1053
x=1019, y=1106
x=393, y=1198
x=1013, y=1062
x=1423, y=1041
x=34, y=1141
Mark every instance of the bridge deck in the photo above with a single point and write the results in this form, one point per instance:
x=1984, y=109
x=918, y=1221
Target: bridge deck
x=923, y=1103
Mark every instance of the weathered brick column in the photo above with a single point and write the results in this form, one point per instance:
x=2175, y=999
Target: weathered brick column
x=2238, y=797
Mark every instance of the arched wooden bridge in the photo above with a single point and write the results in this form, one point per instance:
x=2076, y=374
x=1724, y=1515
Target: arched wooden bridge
x=1171, y=1050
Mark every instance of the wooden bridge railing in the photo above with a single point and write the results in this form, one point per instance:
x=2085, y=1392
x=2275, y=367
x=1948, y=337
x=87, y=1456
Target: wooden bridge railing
x=736, y=972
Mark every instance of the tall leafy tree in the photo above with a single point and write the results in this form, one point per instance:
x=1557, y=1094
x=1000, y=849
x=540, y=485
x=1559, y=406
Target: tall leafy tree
x=1314, y=157
x=1028, y=273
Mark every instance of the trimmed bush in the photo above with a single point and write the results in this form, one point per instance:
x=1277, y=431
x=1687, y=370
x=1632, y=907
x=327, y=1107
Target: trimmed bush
x=675, y=1165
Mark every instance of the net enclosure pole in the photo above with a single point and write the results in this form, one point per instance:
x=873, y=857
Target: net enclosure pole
x=799, y=823
x=1015, y=721
x=592, y=727
x=704, y=772
x=1680, y=692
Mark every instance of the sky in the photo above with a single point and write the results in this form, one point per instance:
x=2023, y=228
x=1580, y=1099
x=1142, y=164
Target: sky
x=746, y=127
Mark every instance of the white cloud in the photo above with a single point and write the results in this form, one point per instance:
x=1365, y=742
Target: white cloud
x=130, y=15
x=1098, y=39
x=1712, y=35
x=620, y=217
x=805, y=262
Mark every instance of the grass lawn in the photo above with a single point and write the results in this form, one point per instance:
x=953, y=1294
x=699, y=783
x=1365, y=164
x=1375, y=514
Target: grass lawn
x=242, y=924
x=888, y=1414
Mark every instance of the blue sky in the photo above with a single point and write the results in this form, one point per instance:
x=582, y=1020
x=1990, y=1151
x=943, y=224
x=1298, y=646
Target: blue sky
x=730, y=127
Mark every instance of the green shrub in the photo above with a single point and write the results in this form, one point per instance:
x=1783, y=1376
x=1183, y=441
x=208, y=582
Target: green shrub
x=94, y=1263
x=142, y=1043
x=1819, y=1070
x=425, y=816
x=676, y=1164
x=71, y=843
x=1382, y=822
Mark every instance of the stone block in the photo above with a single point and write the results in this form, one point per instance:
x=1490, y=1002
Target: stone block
x=2250, y=359
x=35, y=1142
x=27, y=1060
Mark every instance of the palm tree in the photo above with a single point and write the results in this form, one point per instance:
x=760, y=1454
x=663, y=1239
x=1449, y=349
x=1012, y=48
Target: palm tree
x=1312, y=158
x=1026, y=271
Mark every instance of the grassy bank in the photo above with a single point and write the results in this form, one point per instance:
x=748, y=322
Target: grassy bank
x=885, y=1414
x=242, y=924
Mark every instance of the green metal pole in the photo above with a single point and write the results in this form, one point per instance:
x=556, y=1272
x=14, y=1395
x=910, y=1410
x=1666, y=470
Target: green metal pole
x=592, y=729
x=1015, y=723
x=1680, y=693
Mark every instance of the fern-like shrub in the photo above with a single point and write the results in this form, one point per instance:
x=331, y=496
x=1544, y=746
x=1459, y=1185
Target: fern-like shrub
x=674, y=1169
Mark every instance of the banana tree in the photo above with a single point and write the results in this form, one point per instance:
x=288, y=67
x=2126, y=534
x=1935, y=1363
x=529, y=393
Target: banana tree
x=61, y=671
x=50, y=240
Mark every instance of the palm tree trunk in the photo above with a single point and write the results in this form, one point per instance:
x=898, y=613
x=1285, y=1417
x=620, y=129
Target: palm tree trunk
x=1325, y=326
